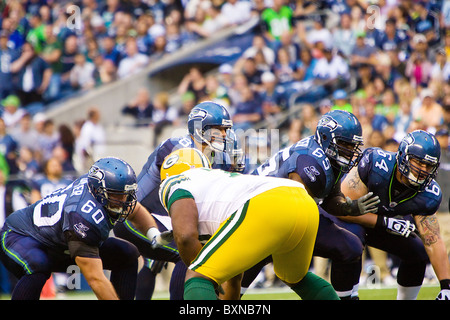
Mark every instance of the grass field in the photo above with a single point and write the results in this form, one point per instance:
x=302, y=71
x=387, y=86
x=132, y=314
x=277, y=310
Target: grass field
x=387, y=293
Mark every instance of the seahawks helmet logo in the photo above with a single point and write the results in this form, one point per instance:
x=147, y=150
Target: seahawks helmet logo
x=329, y=123
x=96, y=173
x=198, y=114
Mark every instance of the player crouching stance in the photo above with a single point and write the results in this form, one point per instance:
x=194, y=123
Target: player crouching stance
x=232, y=211
x=72, y=225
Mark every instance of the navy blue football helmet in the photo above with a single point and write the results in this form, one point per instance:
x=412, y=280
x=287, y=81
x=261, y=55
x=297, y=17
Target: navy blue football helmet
x=340, y=135
x=423, y=147
x=203, y=117
x=113, y=183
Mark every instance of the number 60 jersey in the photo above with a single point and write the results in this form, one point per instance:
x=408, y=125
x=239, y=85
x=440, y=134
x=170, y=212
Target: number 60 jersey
x=72, y=209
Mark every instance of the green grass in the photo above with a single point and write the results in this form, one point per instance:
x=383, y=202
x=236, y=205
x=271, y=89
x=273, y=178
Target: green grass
x=389, y=293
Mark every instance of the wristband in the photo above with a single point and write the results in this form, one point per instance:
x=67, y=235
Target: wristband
x=152, y=232
x=445, y=284
x=380, y=222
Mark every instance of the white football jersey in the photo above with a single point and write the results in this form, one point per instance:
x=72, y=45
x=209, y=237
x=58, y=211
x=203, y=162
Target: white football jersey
x=217, y=194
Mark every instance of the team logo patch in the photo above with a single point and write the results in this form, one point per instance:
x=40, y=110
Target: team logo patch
x=311, y=172
x=81, y=229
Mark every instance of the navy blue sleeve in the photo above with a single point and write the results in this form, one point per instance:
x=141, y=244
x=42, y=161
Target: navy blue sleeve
x=312, y=175
x=364, y=166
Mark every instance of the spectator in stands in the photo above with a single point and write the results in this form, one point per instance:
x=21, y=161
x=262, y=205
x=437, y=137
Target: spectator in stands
x=215, y=91
x=259, y=44
x=391, y=38
x=402, y=120
x=33, y=78
x=344, y=37
x=105, y=71
x=36, y=34
x=208, y=20
x=109, y=50
x=440, y=70
x=159, y=48
x=52, y=180
x=226, y=75
x=248, y=111
x=70, y=49
x=317, y=39
x=236, y=12
x=25, y=134
x=425, y=22
x=273, y=96
x=90, y=141
x=341, y=101
x=331, y=69
x=252, y=73
x=141, y=107
x=12, y=112
x=284, y=69
x=133, y=62
x=82, y=74
x=7, y=57
x=430, y=115
x=143, y=39
x=47, y=140
x=388, y=106
x=195, y=82
x=8, y=147
x=276, y=20
x=308, y=120
x=418, y=69
x=362, y=53
x=27, y=164
x=52, y=53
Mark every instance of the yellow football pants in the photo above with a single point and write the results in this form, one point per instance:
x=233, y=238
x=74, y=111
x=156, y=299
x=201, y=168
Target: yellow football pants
x=281, y=222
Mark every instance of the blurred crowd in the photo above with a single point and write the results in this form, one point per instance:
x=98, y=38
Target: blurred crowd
x=387, y=61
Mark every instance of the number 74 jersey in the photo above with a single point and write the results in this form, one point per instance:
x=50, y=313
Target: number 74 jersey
x=72, y=209
x=377, y=169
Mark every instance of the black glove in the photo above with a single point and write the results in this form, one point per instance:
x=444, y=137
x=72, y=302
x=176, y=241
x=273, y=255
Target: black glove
x=365, y=204
x=396, y=226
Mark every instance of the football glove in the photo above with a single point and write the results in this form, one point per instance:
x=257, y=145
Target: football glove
x=396, y=226
x=444, y=294
x=365, y=204
x=159, y=239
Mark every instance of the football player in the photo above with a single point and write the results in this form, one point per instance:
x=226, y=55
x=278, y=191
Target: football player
x=319, y=162
x=209, y=130
x=404, y=182
x=71, y=226
x=230, y=209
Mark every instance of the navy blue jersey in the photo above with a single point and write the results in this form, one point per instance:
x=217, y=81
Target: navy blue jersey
x=309, y=161
x=149, y=178
x=377, y=169
x=72, y=209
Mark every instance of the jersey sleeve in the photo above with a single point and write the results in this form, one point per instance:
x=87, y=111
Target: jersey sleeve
x=312, y=175
x=364, y=168
x=172, y=190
